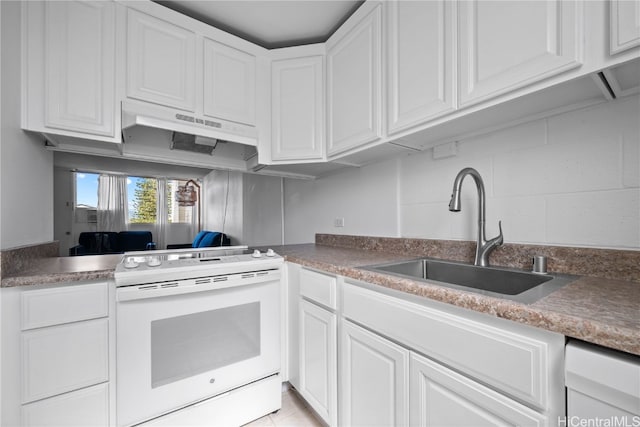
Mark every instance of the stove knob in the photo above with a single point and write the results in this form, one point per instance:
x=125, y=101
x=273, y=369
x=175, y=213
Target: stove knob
x=270, y=252
x=256, y=254
x=154, y=261
x=130, y=263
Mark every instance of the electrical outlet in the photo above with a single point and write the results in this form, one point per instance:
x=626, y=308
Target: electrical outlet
x=338, y=222
x=443, y=151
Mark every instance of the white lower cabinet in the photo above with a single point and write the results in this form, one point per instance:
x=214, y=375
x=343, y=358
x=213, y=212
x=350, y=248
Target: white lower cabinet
x=318, y=364
x=57, y=359
x=374, y=379
x=64, y=358
x=442, y=397
x=406, y=360
x=385, y=384
x=86, y=407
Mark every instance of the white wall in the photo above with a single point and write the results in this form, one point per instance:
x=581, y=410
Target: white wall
x=26, y=187
x=367, y=199
x=246, y=207
x=572, y=179
x=63, y=211
x=223, y=204
x=262, y=224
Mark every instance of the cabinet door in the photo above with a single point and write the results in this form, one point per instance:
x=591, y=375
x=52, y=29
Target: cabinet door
x=229, y=83
x=80, y=66
x=64, y=358
x=292, y=314
x=297, y=128
x=374, y=379
x=353, y=78
x=421, y=51
x=624, y=19
x=318, y=360
x=505, y=45
x=160, y=62
x=441, y=397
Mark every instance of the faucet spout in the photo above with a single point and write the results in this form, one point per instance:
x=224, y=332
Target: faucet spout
x=483, y=247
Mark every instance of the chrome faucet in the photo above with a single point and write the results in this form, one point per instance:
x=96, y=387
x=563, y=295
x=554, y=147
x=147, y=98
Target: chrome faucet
x=484, y=247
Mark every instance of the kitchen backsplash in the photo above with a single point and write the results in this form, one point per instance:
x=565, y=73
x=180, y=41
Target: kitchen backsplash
x=572, y=179
x=606, y=263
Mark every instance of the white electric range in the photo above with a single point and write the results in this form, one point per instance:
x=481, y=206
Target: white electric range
x=198, y=336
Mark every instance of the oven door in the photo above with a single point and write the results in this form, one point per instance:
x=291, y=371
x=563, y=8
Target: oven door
x=181, y=348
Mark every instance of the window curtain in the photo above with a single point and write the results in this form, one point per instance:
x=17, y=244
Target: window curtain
x=162, y=215
x=193, y=226
x=112, y=203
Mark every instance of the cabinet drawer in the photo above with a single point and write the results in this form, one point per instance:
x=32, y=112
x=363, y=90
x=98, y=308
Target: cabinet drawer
x=55, y=306
x=64, y=358
x=318, y=287
x=522, y=366
x=86, y=407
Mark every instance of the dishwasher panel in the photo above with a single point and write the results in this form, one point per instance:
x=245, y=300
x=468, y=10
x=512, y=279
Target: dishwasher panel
x=602, y=384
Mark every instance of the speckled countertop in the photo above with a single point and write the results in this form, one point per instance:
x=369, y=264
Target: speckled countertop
x=63, y=269
x=602, y=311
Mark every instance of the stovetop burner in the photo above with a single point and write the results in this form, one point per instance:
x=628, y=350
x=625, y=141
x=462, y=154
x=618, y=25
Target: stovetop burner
x=188, y=253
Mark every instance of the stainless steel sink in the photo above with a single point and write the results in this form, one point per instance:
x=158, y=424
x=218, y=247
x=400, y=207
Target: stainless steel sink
x=517, y=285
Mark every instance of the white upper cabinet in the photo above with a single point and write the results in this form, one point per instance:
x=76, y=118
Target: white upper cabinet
x=229, y=83
x=353, y=80
x=297, y=109
x=161, y=62
x=624, y=19
x=69, y=75
x=421, y=53
x=508, y=45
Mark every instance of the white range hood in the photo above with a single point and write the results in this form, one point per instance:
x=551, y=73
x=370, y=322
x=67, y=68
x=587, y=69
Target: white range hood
x=155, y=133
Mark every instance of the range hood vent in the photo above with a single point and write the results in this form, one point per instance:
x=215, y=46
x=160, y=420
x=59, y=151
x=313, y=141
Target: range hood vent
x=155, y=133
x=142, y=114
x=193, y=143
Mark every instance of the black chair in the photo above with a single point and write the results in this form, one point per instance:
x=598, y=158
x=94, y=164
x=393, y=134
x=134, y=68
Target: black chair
x=110, y=242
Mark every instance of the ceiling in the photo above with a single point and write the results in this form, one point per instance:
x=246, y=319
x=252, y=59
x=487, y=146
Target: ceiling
x=270, y=23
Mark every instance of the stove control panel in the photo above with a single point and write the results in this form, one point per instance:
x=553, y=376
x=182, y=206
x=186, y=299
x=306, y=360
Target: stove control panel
x=152, y=266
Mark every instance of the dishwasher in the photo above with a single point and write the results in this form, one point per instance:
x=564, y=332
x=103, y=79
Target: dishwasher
x=603, y=386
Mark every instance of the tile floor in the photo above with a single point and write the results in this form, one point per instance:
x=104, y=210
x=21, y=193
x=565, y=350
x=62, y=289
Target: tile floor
x=294, y=413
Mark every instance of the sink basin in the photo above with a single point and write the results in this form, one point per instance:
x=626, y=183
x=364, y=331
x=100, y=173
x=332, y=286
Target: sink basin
x=517, y=285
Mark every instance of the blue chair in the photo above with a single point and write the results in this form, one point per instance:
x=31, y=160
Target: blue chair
x=204, y=239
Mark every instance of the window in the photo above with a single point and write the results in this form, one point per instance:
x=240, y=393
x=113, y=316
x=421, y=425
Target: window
x=86, y=190
x=141, y=197
x=86, y=197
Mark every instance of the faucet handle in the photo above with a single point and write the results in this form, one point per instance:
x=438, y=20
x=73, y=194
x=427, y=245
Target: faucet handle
x=499, y=239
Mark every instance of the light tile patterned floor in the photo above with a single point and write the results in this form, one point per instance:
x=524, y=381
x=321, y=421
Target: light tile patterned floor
x=294, y=413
